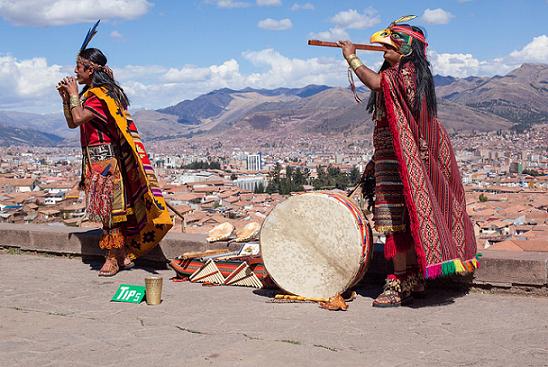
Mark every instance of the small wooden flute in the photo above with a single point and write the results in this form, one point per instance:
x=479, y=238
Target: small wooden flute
x=359, y=46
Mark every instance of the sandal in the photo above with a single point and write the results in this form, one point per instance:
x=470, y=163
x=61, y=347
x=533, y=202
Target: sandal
x=126, y=263
x=109, y=268
x=396, y=293
x=416, y=283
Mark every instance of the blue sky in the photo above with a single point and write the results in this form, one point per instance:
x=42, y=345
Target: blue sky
x=164, y=51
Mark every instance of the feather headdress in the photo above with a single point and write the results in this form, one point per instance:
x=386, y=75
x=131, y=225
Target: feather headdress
x=91, y=33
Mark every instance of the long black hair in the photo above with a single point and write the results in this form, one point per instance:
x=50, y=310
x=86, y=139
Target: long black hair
x=101, y=78
x=423, y=78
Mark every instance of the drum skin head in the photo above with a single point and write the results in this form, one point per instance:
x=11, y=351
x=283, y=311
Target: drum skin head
x=311, y=246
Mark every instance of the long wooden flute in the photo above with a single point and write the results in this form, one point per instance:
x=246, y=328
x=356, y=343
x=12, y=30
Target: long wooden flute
x=359, y=46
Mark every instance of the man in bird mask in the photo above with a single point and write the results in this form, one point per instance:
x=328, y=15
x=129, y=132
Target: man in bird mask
x=419, y=198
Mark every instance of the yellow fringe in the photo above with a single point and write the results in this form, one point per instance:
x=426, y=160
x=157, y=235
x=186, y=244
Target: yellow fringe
x=459, y=267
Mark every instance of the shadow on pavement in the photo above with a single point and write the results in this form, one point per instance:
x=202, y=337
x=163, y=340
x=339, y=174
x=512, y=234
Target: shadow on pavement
x=96, y=262
x=267, y=292
x=439, y=292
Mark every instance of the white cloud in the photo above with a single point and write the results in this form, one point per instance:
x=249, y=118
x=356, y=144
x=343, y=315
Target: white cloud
x=28, y=83
x=353, y=19
x=228, y=4
x=348, y=19
x=305, y=6
x=461, y=65
x=464, y=65
x=61, y=12
x=333, y=34
x=534, y=51
x=144, y=73
x=186, y=74
x=284, y=71
x=436, y=16
x=275, y=25
x=116, y=35
x=269, y=2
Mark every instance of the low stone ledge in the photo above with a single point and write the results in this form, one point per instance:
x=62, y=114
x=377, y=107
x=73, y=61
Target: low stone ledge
x=84, y=242
x=509, y=268
x=498, y=268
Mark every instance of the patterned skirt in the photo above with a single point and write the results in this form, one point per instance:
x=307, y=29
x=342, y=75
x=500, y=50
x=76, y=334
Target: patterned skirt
x=105, y=193
x=389, y=212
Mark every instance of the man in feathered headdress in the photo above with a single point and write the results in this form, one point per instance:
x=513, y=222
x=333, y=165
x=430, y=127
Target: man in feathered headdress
x=121, y=187
x=419, y=198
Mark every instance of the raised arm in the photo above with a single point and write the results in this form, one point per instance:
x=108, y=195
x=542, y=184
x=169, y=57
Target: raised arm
x=65, y=98
x=75, y=114
x=368, y=77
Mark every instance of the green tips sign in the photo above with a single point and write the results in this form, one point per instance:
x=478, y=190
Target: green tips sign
x=129, y=293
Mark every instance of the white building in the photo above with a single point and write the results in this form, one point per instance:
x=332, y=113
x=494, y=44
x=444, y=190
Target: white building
x=250, y=182
x=201, y=176
x=254, y=162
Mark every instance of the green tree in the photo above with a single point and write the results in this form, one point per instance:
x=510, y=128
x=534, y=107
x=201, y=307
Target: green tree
x=299, y=180
x=259, y=189
x=203, y=165
x=270, y=188
x=275, y=178
x=483, y=198
x=354, y=175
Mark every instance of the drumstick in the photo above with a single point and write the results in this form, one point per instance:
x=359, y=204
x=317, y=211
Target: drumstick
x=300, y=298
x=192, y=255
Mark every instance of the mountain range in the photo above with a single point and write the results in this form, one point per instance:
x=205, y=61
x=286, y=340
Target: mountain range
x=516, y=100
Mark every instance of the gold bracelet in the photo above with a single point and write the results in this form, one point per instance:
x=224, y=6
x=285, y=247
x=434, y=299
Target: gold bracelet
x=351, y=56
x=355, y=63
x=74, y=101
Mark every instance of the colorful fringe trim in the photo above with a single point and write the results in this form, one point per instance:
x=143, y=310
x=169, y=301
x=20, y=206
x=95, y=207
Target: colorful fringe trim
x=452, y=267
x=112, y=239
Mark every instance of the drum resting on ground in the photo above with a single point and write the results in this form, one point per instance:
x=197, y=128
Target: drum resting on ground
x=316, y=245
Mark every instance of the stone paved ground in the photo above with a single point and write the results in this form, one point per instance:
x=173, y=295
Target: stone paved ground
x=56, y=312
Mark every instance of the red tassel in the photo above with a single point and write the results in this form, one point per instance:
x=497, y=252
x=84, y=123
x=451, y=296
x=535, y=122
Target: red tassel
x=390, y=246
x=397, y=242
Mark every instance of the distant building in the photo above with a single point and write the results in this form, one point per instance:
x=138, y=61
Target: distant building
x=254, y=162
x=191, y=176
x=516, y=167
x=250, y=182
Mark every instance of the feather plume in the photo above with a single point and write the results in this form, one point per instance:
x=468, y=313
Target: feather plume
x=403, y=19
x=91, y=33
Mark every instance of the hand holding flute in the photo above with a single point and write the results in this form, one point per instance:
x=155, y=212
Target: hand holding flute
x=370, y=78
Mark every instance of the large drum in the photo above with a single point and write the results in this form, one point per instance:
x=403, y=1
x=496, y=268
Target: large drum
x=316, y=245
